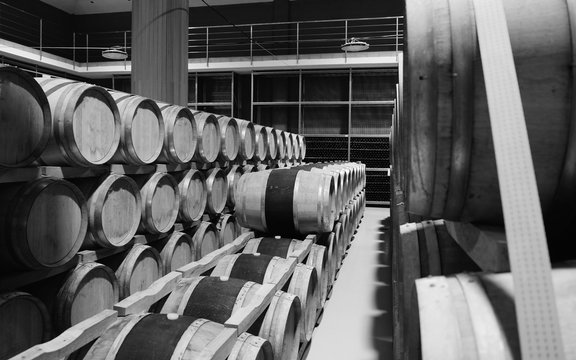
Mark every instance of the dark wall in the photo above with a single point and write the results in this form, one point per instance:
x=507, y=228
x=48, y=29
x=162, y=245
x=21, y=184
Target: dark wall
x=279, y=10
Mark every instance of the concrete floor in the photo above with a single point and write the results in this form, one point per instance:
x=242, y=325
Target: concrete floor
x=357, y=319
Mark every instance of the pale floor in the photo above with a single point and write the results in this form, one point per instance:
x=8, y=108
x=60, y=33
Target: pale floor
x=357, y=319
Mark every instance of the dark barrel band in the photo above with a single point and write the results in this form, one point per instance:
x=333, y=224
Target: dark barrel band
x=203, y=304
x=274, y=247
x=140, y=344
x=279, y=202
x=250, y=267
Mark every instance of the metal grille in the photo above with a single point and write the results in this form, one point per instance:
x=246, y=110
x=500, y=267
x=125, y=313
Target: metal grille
x=326, y=149
x=374, y=152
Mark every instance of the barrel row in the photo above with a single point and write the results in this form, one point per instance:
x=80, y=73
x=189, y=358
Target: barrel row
x=60, y=122
x=298, y=200
x=92, y=287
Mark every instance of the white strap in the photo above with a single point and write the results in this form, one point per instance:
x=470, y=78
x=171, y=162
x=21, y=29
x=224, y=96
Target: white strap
x=538, y=325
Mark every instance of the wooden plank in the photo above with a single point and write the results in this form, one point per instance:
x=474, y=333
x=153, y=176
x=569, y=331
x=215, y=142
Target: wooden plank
x=288, y=266
x=221, y=346
x=209, y=261
x=247, y=315
x=13, y=281
x=122, y=169
x=303, y=250
x=485, y=245
x=143, y=300
x=32, y=173
x=72, y=339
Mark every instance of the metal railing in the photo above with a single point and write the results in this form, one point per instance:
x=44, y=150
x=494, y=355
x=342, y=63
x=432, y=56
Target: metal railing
x=249, y=41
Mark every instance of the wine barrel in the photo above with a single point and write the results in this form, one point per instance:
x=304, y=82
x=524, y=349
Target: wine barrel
x=160, y=202
x=302, y=147
x=175, y=251
x=318, y=258
x=87, y=290
x=180, y=134
x=338, y=185
x=155, y=336
x=25, y=323
x=344, y=238
x=338, y=231
x=279, y=323
x=289, y=146
x=286, y=201
x=208, y=137
x=233, y=174
x=295, y=146
x=260, y=143
x=142, y=134
x=259, y=268
x=272, y=143
x=141, y=266
x=85, y=123
x=193, y=195
x=328, y=240
x=229, y=138
x=474, y=304
x=217, y=190
x=250, y=347
x=42, y=222
x=114, y=210
x=205, y=239
x=304, y=284
x=280, y=144
x=247, y=139
x=282, y=247
x=26, y=118
x=227, y=228
x=449, y=159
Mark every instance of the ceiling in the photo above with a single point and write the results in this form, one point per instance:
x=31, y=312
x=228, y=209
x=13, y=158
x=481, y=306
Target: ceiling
x=81, y=7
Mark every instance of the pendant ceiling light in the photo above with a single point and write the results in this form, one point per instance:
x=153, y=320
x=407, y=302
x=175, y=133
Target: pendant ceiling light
x=355, y=45
x=115, y=53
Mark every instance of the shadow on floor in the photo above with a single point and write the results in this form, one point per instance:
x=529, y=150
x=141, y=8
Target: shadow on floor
x=382, y=324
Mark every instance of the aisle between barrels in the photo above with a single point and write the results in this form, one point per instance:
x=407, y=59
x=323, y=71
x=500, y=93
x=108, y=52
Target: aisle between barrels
x=357, y=319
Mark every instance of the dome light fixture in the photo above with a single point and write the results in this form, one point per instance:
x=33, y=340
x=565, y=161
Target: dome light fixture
x=115, y=53
x=355, y=45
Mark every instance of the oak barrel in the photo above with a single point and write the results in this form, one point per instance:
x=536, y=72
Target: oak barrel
x=142, y=265
x=278, y=324
x=208, y=137
x=260, y=268
x=233, y=174
x=295, y=146
x=249, y=168
x=251, y=347
x=282, y=247
x=205, y=239
x=227, y=228
x=42, y=223
x=286, y=201
x=142, y=134
x=174, y=337
x=114, y=210
x=24, y=321
x=25, y=118
x=328, y=240
x=193, y=194
x=280, y=144
x=318, y=258
x=180, y=134
x=302, y=147
x=449, y=161
x=217, y=190
x=289, y=146
x=272, y=143
x=175, y=251
x=260, y=143
x=262, y=167
x=87, y=290
x=229, y=138
x=86, y=123
x=304, y=284
x=160, y=201
x=478, y=319
x=247, y=139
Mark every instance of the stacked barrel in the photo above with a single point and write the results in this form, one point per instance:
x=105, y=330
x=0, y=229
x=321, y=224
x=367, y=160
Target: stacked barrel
x=447, y=213
x=104, y=192
x=286, y=205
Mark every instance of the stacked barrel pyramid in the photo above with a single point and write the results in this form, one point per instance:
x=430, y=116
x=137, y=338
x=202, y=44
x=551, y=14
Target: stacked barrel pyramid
x=105, y=195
